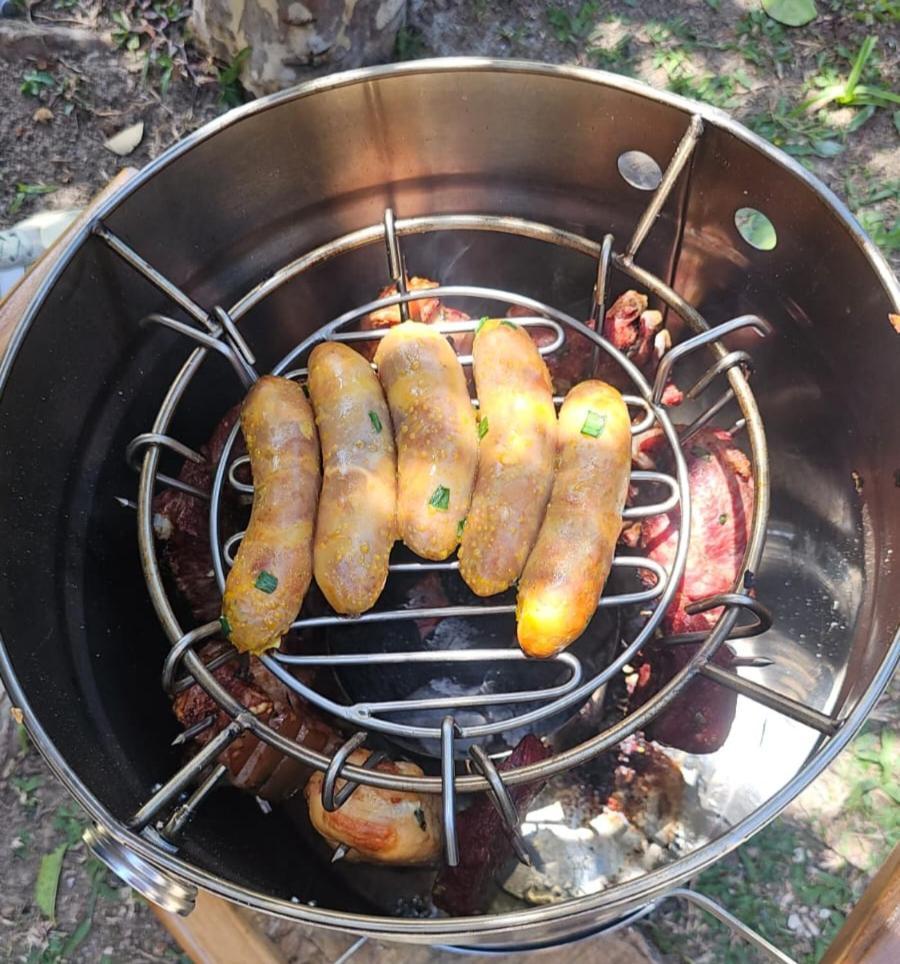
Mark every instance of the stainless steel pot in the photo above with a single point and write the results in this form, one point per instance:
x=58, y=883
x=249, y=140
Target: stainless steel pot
x=224, y=210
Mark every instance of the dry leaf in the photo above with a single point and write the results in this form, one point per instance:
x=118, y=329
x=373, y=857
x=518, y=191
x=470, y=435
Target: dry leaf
x=43, y=115
x=126, y=140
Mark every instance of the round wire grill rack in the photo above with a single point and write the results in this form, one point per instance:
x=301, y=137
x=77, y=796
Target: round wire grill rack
x=218, y=332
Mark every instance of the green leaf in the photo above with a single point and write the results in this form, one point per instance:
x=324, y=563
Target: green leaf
x=460, y=527
x=376, y=422
x=481, y=323
x=827, y=148
x=440, y=498
x=229, y=74
x=266, y=582
x=792, y=13
x=897, y=120
x=81, y=931
x=29, y=189
x=483, y=427
x=509, y=324
x=226, y=626
x=865, y=52
x=861, y=117
x=48, y=881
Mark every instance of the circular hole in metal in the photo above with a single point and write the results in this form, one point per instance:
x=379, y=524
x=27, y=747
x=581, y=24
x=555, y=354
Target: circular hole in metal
x=640, y=170
x=755, y=228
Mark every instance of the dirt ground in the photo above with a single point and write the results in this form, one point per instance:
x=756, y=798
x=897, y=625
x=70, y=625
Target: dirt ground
x=61, y=100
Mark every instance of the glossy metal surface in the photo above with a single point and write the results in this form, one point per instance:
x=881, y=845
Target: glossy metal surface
x=518, y=140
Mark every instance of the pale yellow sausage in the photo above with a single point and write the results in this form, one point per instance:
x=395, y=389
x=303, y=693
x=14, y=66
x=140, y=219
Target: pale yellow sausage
x=381, y=826
x=356, y=524
x=517, y=426
x=569, y=564
x=272, y=571
x=435, y=433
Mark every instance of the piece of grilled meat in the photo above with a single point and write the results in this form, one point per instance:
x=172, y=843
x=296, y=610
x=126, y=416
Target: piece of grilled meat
x=721, y=487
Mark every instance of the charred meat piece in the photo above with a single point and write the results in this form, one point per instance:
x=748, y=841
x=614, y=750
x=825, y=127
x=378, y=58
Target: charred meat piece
x=628, y=325
x=648, y=789
x=721, y=486
x=424, y=310
x=430, y=311
x=181, y=524
x=380, y=826
x=252, y=764
x=699, y=719
x=484, y=847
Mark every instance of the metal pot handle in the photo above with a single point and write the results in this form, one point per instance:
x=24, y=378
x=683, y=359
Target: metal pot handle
x=155, y=885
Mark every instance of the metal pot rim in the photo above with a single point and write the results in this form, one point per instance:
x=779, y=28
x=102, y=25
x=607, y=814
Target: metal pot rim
x=623, y=897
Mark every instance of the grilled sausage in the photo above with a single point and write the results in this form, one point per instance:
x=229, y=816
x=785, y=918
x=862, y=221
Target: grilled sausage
x=356, y=524
x=434, y=427
x=567, y=568
x=273, y=567
x=381, y=826
x=517, y=426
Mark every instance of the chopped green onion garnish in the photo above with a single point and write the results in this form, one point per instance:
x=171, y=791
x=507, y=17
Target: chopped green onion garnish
x=594, y=424
x=509, y=324
x=481, y=323
x=440, y=498
x=482, y=427
x=226, y=626
x=723, y=518
x=266, y=582
x=460, y=526
x=376, y=421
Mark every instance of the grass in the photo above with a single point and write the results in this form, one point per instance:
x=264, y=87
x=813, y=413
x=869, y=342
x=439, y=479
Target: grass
x=155, y=31
x=409, y=44
x=851, y=92
x=570, y=28
x=618, y=58
x=720, y=90
x=797, y=132
x=231, y=90
x=25, y=192
x=762, y=41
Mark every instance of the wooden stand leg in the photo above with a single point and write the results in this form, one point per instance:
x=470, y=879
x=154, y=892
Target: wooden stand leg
x=871, y=934
x=219, y=932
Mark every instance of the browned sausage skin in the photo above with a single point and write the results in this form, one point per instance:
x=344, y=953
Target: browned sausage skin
x=381, y=826
x=566, y=571
x=356, y=524
x=273, y=568
x=517, y=426
x=435, y=432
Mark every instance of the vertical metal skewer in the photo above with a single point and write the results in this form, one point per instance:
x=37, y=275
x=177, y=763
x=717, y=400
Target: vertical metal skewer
x=396, y=267
x=448, y=793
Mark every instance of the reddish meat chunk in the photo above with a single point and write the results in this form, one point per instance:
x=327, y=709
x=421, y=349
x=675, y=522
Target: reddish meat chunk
x=181, y=524
x=252, y=764
x=721, y=486
x=430, y=311
x=628, y=325
x=699, y=719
